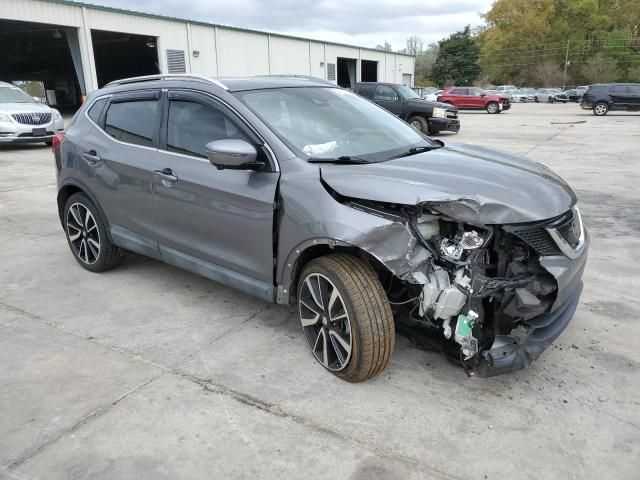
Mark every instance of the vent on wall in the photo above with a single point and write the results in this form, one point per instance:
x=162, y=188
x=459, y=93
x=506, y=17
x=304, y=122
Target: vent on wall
x=175, y=61
x=331, y=71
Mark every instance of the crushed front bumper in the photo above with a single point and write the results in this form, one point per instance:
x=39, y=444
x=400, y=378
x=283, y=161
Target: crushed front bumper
x=509, y=353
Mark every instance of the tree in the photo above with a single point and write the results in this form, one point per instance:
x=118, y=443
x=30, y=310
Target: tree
x=415, y=45
x=385, y=48
x=548, y=74
x=600, y=69
x=457, y=60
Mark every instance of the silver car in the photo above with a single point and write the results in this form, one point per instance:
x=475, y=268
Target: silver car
x=303, y=193
x=23, y=120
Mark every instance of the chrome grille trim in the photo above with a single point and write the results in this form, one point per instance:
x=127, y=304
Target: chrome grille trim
x=32, y=118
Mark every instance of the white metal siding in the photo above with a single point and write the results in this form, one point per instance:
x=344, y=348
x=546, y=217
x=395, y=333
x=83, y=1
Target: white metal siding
x=222, y=51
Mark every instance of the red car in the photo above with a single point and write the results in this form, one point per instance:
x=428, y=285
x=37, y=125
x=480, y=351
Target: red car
x=473, y=98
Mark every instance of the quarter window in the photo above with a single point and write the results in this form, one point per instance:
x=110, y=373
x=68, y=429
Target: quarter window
x=634, y=89
x=192, y=125
x=96, y=109
x=385, y=93
x=619, y=89
x=132, y=122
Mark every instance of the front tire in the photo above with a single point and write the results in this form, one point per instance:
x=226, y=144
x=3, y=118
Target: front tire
x=87, y=235
x=346, y=317
x=420, y=124
x=493, y=107
x=600, y=109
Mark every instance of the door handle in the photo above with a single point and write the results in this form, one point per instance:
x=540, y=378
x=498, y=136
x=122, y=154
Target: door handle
x=166, y=175
x=91, y=157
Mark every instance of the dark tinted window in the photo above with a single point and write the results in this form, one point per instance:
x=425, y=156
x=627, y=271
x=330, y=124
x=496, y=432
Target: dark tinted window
x=634, y=89
x=596, y=89
x=458, y=91
x=132, y=122
x=367, y=89
x=385, y=93
x=192, y=125
x=619, y=89
x=96, y=109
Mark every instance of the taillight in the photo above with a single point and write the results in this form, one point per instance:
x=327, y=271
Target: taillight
x=56, y=141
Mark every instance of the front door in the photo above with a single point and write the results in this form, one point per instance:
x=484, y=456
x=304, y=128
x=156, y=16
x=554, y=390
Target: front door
x=223, y=217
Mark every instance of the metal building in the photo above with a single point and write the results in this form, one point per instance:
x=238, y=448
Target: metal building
x=75, y=48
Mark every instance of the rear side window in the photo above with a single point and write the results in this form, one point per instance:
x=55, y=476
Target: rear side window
x=385, y=93
x=634, y=89
x=366, y=90
x=192, y=125
x=596, y=89
x=132, y=121
x=96, y=109
x=619, y=89
x=458, y=91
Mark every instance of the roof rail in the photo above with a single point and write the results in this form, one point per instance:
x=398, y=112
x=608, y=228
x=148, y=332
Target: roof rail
x=167, y=76
x=303, y=77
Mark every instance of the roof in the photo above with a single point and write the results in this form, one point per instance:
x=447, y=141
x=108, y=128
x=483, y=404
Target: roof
x=262, y=82
x=209, y=24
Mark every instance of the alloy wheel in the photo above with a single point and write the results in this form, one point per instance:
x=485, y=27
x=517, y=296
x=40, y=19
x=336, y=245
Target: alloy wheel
x=601, y=109
x=493, y=108
x=416, y=125
x=325, y=322
x=83, y=233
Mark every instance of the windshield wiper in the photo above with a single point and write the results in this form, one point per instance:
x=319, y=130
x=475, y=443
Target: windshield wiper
x=422, y=148
x=348, y=159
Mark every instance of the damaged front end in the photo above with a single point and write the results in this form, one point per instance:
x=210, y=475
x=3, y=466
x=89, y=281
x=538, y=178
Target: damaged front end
x=495, y=296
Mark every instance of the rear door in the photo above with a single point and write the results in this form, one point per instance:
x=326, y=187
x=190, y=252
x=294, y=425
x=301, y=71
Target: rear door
x=475, y=98
x=387, y=97
x=224, y=217
x=118, y=157
x=634, y=97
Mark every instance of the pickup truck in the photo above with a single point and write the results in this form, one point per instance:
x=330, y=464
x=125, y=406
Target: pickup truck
x=426, y=117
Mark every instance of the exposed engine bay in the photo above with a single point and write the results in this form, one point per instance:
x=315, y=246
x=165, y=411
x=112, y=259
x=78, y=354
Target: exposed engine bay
x=478, y=286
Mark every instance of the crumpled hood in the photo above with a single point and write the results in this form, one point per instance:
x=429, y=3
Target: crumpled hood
x=470, y=184
x=10, y=108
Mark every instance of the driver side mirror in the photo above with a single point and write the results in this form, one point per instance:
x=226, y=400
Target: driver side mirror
x=483, y=94
x=233, y=154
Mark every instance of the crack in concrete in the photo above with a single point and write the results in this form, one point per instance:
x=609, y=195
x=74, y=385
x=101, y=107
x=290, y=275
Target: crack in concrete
x=212, y=387
x=562, y=130
x=30, y=453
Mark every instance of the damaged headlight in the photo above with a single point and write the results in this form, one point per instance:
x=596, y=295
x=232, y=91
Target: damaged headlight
x=467, y=240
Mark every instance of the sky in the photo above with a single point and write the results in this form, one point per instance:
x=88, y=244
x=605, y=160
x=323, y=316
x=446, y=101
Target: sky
x=357, y=22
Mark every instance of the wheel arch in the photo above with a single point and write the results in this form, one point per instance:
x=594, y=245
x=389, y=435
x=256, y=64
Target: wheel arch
x=314, y=248
x=72, y=187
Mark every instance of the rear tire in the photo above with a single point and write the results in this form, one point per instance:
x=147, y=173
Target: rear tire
x=419, y=123
x=346, y=316
x=87, y=235
x=600, y=109
x=493, y=107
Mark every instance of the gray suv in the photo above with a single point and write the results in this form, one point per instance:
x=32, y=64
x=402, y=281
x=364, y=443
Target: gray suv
x=299, y=192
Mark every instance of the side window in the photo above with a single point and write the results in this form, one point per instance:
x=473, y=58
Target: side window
x=192, y=125
x=634, y=89
x=385, y=93
x=132, y=121
x=366, y=90
x=619, y=89
x=475, y=92
x=458, y=91
x=96, y=109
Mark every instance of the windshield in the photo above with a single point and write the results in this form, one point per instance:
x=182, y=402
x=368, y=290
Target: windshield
x=14, y=95
x=407, y=93
x=327, y=123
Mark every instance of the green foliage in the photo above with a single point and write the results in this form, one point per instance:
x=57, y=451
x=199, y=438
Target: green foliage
x=457, y=61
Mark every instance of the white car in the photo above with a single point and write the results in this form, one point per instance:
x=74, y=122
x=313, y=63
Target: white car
x=433, y=96
x=23, y=120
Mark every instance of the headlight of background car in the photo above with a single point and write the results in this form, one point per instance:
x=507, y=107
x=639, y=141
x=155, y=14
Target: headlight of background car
x=5, y=118
x=439, y=112
x=56, y=114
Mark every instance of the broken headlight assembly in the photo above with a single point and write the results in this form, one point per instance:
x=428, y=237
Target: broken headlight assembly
x=479, y=282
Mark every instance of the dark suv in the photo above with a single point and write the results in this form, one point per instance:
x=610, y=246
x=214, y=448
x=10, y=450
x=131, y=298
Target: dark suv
x=300, y=192
x=424, y=116
x=612, y=96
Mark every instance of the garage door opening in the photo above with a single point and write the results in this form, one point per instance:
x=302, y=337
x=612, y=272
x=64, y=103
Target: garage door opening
x=122, y=55
x=39, y=52
x=369, y=71
x=347, y=72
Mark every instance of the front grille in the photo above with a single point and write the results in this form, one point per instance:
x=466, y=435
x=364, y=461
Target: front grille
x=32, y=118
x=452, y=114
x=537, y=236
